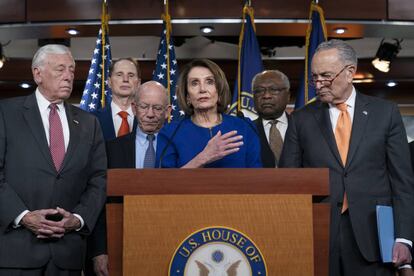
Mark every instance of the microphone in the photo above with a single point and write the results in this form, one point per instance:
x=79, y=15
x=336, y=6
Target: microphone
x=170, y=139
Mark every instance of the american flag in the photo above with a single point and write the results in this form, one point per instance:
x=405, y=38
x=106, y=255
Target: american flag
x=97, y=82
x=161, y=71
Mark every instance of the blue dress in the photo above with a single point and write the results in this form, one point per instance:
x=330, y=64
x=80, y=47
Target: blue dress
x=190, y=139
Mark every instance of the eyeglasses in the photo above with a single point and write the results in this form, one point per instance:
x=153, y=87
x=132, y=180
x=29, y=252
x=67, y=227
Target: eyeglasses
x=326, y=81
x=156, y=108
x=273, y=90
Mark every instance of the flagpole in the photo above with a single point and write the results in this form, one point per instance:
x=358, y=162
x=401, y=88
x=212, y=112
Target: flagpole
x=247, y=9
x=104, y=28
x=167, y=19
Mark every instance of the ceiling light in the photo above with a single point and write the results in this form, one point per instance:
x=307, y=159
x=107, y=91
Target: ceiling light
x=382, y=65
x=340, y=30
x=72, y=31
x=385, y=54
x=24, y=85
x=206, y=29
x=391, y=83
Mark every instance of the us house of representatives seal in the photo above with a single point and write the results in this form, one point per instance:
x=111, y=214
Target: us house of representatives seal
x=217, y=251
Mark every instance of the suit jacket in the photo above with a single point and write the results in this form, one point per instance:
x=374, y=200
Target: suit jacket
x=121, y=154
x=29, y=181
x=105, y=120
x=412, y=153
x=268, y=158
x=377, y=169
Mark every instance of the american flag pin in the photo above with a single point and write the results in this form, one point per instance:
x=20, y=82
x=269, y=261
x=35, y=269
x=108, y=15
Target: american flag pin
x=365, y=112
x=76, y=122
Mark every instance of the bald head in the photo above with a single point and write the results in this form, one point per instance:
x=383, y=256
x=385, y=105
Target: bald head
x=151, y=106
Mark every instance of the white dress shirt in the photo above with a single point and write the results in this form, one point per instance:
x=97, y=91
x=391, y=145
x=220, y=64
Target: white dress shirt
x=282, y=125
x=118, y=120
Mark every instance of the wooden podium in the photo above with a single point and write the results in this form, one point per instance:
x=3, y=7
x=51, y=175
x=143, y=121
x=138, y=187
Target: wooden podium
x=154, y=210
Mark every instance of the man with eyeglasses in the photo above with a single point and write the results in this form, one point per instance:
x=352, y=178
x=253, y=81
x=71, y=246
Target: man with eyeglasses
x=134, y=150
x=361, y=139
x=271, y=95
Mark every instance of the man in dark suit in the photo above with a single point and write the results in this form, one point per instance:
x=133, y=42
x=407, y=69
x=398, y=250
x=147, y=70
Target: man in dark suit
x=364, y=145
x=133, y=150
x=117, y=118
x=271, y=95
x=52, y=173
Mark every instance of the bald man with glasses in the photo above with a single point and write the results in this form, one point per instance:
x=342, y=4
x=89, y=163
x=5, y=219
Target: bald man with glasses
x=362, y=140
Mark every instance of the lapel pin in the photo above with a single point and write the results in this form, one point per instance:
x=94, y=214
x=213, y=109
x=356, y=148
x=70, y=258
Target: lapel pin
x=76, y=122
x=365, y=112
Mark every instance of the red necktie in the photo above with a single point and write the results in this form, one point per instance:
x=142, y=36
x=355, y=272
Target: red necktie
x=57, y=142
x=342, y=137
x=124, y=128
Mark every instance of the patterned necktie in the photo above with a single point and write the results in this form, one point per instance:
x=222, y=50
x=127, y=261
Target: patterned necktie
x=149, y=159
x=124, y=128
x=56, y=140
x=275, y=141
x=342, y=137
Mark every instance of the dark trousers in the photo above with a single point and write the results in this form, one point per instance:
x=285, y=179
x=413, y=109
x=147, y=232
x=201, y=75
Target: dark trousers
x=347, y=260
x=49, y=270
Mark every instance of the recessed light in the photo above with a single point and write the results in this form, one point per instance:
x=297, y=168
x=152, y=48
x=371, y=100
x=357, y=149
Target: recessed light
x=72, y=31
x=24, y=85
x=391, y=83
x=206, y=29
x=340, y=30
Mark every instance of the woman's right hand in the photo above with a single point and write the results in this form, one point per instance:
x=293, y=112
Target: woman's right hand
x=217, y=147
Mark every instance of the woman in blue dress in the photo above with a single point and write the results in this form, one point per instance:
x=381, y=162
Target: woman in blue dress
x=206, y=136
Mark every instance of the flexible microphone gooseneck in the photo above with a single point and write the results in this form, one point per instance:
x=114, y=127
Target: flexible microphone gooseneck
x=170, y=139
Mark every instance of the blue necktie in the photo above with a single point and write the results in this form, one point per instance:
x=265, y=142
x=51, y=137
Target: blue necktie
x=149, y=159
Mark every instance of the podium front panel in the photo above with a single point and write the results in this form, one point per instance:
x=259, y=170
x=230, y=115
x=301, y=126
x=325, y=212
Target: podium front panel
x=281, y=227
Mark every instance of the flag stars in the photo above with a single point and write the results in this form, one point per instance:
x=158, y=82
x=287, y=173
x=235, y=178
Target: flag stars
x=94, y=95
x=163, y=65
x=160, y=76
x=91, y=106
x=97, y=85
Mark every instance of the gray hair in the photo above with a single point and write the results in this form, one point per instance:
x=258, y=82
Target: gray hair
x=40, y=56
x=275, y=73
x=346, y=53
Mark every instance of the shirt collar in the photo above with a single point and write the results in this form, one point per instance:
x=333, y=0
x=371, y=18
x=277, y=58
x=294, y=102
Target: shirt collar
x=282, y=119
x=43, y=103
x=115, y=109
x=141, y=136
x=350, y=101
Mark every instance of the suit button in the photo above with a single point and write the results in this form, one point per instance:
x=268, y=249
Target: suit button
x=58, y=176
x=345, y=174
